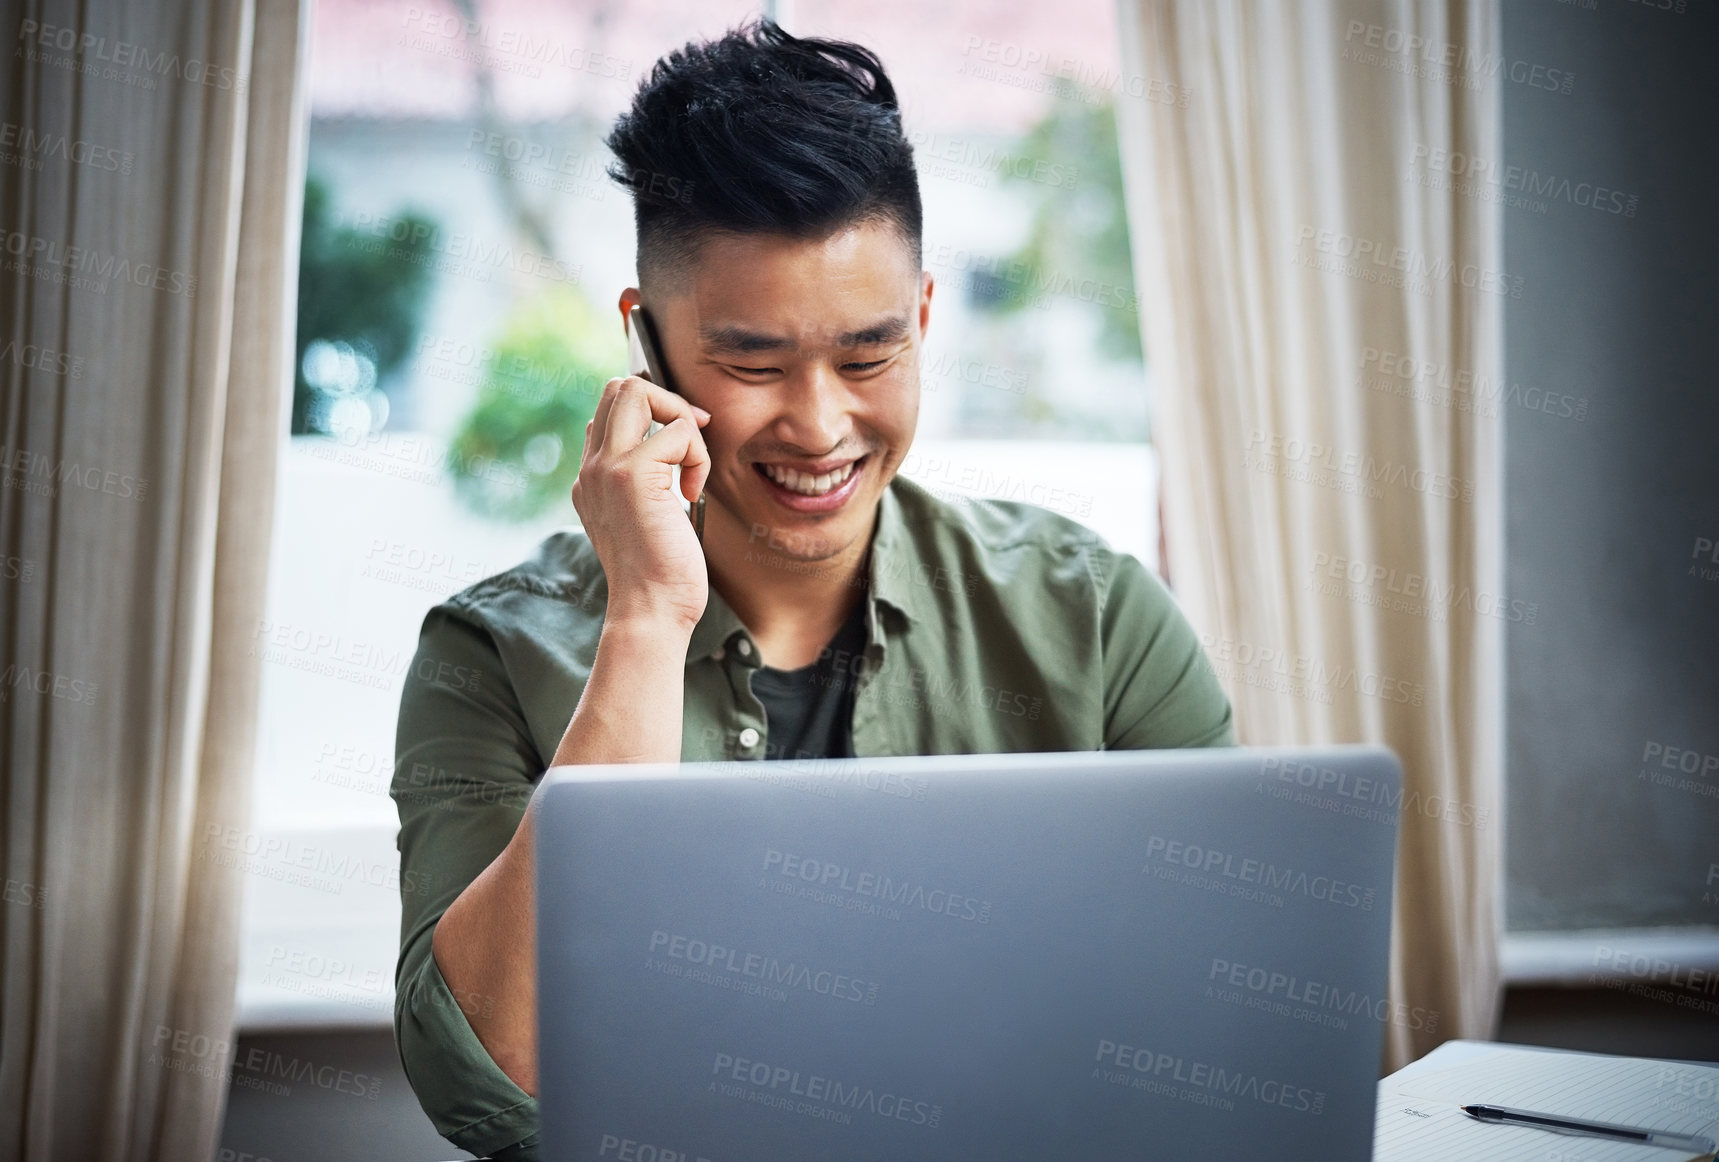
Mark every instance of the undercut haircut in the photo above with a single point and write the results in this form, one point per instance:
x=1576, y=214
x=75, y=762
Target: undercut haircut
x=761, y=132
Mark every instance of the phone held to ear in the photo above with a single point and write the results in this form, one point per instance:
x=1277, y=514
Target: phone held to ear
x=644, y=358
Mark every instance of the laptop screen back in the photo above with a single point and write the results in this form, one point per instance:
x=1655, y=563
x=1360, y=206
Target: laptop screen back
x=1170, y=954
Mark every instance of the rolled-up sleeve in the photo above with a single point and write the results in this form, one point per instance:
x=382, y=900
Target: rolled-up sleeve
x=1159, y=688
x=464, y=772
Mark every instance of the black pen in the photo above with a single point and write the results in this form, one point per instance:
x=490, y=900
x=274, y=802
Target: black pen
x=1600, y=1129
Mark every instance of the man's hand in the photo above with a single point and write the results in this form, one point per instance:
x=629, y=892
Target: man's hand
x=626, y=503
x=630, y=711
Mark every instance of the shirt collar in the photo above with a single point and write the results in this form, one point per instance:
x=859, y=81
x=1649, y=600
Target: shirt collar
x=715, y=626
x=895, y=558
x=892, y=569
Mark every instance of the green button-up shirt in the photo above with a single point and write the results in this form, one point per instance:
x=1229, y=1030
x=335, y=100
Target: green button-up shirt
x=991, y=626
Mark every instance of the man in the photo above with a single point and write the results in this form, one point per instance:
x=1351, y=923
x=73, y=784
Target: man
x=831, y=609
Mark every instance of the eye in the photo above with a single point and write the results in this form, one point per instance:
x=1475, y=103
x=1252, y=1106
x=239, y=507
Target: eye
x=862, y=368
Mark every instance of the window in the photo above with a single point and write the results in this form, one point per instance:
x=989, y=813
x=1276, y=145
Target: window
x=462, y=252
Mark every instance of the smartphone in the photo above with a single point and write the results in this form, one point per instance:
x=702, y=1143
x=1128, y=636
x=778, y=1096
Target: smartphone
x=644, y=358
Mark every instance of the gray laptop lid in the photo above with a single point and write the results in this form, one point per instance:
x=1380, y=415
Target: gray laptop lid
x=1140, y=954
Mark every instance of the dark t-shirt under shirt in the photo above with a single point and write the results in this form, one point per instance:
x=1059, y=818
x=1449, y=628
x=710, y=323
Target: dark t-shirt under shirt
x=809, y=711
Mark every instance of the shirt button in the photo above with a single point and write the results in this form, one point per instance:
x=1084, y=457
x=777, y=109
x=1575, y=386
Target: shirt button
x=745, y=649
x=749, y=738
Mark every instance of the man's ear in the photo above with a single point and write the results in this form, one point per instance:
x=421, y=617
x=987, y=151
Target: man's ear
x=926, y=285
x=630, y=298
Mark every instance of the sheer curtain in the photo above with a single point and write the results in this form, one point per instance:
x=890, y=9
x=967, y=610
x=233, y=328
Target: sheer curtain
x=149, y=204
x=1322, y=287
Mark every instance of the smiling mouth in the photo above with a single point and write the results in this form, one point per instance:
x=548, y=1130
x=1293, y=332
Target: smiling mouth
x=805, y=483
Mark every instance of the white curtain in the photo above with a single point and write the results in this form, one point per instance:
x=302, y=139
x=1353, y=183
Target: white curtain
x=1322, y=303
x=150, y=187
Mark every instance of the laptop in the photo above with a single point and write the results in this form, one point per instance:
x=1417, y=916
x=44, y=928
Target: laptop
x=1089, y=955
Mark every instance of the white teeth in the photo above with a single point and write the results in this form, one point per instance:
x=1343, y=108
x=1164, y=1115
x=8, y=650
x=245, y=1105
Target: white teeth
x=807, y=485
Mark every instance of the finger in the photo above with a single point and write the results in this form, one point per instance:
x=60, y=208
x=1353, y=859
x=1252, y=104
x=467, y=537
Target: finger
x=589, y=447
x=639, y=403
x=695, y=465
x=680, y=442
x=600, y=418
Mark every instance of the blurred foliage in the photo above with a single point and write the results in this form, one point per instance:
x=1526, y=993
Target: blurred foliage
x=517, y=452
x=1080, y=231
x=359, y=289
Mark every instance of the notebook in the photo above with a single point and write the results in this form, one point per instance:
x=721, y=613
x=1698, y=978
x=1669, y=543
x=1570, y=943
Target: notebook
x=1420, y=1117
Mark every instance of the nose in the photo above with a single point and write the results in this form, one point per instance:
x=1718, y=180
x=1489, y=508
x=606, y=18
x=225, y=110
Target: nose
x=814, y=409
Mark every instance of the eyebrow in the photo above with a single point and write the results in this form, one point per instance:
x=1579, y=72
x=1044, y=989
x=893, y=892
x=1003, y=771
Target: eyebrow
x=742, y=341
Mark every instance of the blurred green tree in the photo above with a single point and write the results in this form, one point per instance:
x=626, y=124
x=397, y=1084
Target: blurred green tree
x=360, y=295
x=517, y=451
x=1079, y=225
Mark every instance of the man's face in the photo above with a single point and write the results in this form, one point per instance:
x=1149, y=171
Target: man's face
x=806, y=354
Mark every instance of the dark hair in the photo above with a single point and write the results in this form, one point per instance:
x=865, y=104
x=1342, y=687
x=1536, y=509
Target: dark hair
x=763, y=132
